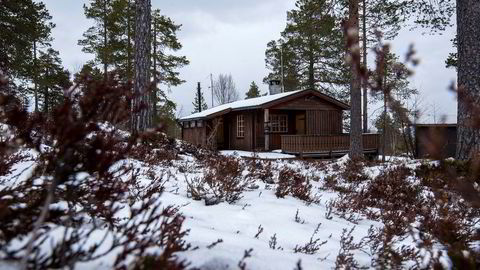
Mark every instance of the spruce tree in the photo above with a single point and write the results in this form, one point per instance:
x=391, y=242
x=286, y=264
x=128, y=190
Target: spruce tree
x=253, y=92
x=199, y=102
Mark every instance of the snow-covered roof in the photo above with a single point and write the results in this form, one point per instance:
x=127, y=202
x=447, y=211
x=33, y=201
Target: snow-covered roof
x=243, y=104
x=252, y=102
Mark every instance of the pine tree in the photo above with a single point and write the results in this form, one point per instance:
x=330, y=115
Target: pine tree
x=142, y=117
x=199, y=103
x=25, y=28
x=351, y=28
x=164, y=65
x=53, y=79
x=276, y=52
x=378, y=15
x=313, y=50
x=253, y=92
x=395, y=84
x=101, y=38
x=41, y=28
x=468, y=33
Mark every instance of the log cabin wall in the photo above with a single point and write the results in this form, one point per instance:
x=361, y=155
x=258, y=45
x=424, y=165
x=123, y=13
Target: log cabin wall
x=276, y=137
x=324, y=122
x=309, y=102
x=196, y=135
x=244, y=142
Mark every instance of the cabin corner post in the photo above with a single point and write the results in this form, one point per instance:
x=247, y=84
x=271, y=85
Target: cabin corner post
x=266, y=120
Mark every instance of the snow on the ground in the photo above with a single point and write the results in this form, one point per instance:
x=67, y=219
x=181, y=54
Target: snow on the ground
x=260, y=155
x=259, y=209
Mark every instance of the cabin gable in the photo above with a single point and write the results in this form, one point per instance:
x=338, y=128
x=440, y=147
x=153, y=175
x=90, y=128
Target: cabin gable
x=306, y=102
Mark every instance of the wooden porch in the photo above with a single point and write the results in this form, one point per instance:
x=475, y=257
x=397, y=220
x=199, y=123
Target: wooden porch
x=326, y=145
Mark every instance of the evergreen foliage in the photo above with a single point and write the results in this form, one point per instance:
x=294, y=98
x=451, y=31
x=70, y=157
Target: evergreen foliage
x=26, y=54
x=53, y=79
x=199, y=101
x=253, y=91
x=313, y=50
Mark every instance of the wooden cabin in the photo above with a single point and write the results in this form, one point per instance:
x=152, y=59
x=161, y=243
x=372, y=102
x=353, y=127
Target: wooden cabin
x=435, y=140
x=304, y=122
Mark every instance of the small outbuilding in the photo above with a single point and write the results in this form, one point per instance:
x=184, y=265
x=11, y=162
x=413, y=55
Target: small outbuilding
x=435, y=140
x=305, y=122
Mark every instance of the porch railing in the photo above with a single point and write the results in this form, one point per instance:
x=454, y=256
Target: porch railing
x=325, y=143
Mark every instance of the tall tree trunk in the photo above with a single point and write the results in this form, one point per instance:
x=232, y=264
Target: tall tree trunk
x=155, y=75
x=364, y=81
x=35, y=77
x=356, y=144
x=45, y=93
x=105, y=40
x=142, y=107
x=468, y=31
x=384, y=135
x=129, y=42
x=311, y=67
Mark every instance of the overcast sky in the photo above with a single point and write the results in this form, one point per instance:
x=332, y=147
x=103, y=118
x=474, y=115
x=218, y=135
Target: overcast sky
x=230, y=36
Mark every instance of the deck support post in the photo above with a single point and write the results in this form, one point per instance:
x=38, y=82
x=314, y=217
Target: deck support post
x=266, y=121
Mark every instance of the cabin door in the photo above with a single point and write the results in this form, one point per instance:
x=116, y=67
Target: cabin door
x=300, y=124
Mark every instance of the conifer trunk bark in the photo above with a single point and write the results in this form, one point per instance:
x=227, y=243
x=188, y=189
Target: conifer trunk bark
x=105, y=40
x=155, y=74
x=142, y=107
x=356, y=144
x=364, y=81
x=35, y=83
x=468, y=31
x=129, y=42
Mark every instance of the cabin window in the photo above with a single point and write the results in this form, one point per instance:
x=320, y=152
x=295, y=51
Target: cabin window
x=199, y=123
x=240, y=126
x=192, y=124
x=186, y=124
x=278, y=123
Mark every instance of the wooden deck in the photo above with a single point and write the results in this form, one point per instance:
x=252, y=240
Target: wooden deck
x=326, y=145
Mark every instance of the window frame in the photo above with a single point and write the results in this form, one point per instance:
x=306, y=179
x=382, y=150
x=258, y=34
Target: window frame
x=278, y=123
x=240, y=128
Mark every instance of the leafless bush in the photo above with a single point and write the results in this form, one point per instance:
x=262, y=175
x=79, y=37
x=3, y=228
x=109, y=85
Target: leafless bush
x=353, y=171
x=384, y=253
x=313, y=245
x=260, y=170
x=295, y=184
x=68, y=211
x=222, y=181
x=345, y=258
x=272, y=243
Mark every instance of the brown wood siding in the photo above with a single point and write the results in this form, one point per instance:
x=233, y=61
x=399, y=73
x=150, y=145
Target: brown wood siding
x=309, y=102
x=196, y=136
x=321, y=122
x=259, y=130
x=236, y=143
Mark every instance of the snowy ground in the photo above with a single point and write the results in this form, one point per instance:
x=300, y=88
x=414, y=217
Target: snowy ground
x=259, y=213
x=260, y=155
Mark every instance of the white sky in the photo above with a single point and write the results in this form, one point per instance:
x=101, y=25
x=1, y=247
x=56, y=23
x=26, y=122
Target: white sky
x=230, y=36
